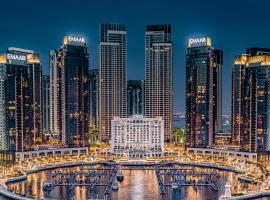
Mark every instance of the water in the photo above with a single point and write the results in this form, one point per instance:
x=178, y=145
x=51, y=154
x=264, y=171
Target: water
x=137, y=185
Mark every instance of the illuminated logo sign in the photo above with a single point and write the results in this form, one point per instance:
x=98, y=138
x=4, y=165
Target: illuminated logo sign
x=76, y=39
x=16, y=57
x=202, y=41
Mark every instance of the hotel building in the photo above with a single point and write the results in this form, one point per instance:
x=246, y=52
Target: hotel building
x=137, y=137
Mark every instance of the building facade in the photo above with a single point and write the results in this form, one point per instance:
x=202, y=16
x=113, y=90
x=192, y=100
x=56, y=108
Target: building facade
x=137, y=137
x=250, y=100
x=112, y=77
x=203, y=92
x=46, y=103
x=21, y=100
x=158, y=75
x=135, y=97
x=70, y=91
x=94, y=98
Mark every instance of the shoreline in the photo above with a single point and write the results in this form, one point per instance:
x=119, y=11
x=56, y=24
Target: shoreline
x=4, y=192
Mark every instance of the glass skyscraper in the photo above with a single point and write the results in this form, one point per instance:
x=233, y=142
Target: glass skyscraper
x=93, y=94
x=158, y=75
x=112, y=77
x=46, y=103
x=250, y=100
x=20, y=100
x=203, y=92
x=135, y=97
x=70, y=91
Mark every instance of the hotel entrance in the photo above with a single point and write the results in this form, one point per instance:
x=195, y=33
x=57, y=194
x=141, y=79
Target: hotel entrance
x=137, y=154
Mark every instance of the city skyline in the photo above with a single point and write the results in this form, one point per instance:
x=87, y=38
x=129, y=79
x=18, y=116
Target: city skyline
x=184, y=26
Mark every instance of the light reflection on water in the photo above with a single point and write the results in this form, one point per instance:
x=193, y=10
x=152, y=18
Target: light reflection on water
x=137, y=185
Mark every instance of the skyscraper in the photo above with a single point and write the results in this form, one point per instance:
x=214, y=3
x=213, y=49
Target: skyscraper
x=21, y=100
x=135, y=97
x=113, y=81
x=250, y=100
x=158, y=75
x=70, y=91
x=46, y=103
x=94, y=101
x=203, y=92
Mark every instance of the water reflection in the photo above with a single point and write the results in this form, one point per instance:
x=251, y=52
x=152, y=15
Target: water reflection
x=137, y=185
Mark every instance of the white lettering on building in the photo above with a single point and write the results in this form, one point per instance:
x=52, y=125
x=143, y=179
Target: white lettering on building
x=76, y=39
x=16, y=57
x=202, y=40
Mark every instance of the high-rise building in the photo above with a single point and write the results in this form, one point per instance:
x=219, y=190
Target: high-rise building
x=203, y=92
x=46, y=103
x=250, y=100
x=93, y=94
x=158, y=75
x=20, y=100
x=135, y=97
x=113, y=81
x=70, y=91
x=55, y=94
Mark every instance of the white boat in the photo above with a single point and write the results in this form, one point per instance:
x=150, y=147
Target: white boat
x=174, y=185
x=115, y=186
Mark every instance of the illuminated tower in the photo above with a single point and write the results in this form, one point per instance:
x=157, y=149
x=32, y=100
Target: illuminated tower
x=94, y=94
x=203, y=92
x=70, y=91
x=158, y=75
x=135, y=97
x=21, y=100
x=250, y=100
x=46, y=103
x=113, y=81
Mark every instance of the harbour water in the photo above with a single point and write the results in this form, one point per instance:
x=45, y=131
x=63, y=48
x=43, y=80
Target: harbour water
x=137, y=185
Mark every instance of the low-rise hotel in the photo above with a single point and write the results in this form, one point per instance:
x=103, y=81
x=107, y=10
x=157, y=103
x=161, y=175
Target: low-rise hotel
x=137, y=137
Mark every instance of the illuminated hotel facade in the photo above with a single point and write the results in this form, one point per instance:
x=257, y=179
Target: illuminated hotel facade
x=250, y=100
x=203, y=92
x=158, y=75
x=112, y=77
x=137, y=137
x=20, y=100
x=70, y=91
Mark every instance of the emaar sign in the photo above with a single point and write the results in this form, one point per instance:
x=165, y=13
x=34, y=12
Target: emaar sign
x=74, y=40
x=200, y=41
x=16, y=57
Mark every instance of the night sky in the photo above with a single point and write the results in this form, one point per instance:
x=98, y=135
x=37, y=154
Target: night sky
x=233, y=25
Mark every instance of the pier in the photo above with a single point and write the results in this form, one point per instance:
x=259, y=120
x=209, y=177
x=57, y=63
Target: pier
x=177, y=178
x=89, y=176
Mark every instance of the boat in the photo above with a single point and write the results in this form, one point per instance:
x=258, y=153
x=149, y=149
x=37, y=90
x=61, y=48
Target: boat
x=115, y=186
x=46, y=185
x=174, y=185
x=120, y=176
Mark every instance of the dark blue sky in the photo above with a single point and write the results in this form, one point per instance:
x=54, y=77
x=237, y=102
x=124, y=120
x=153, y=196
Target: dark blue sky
x=233, y=26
